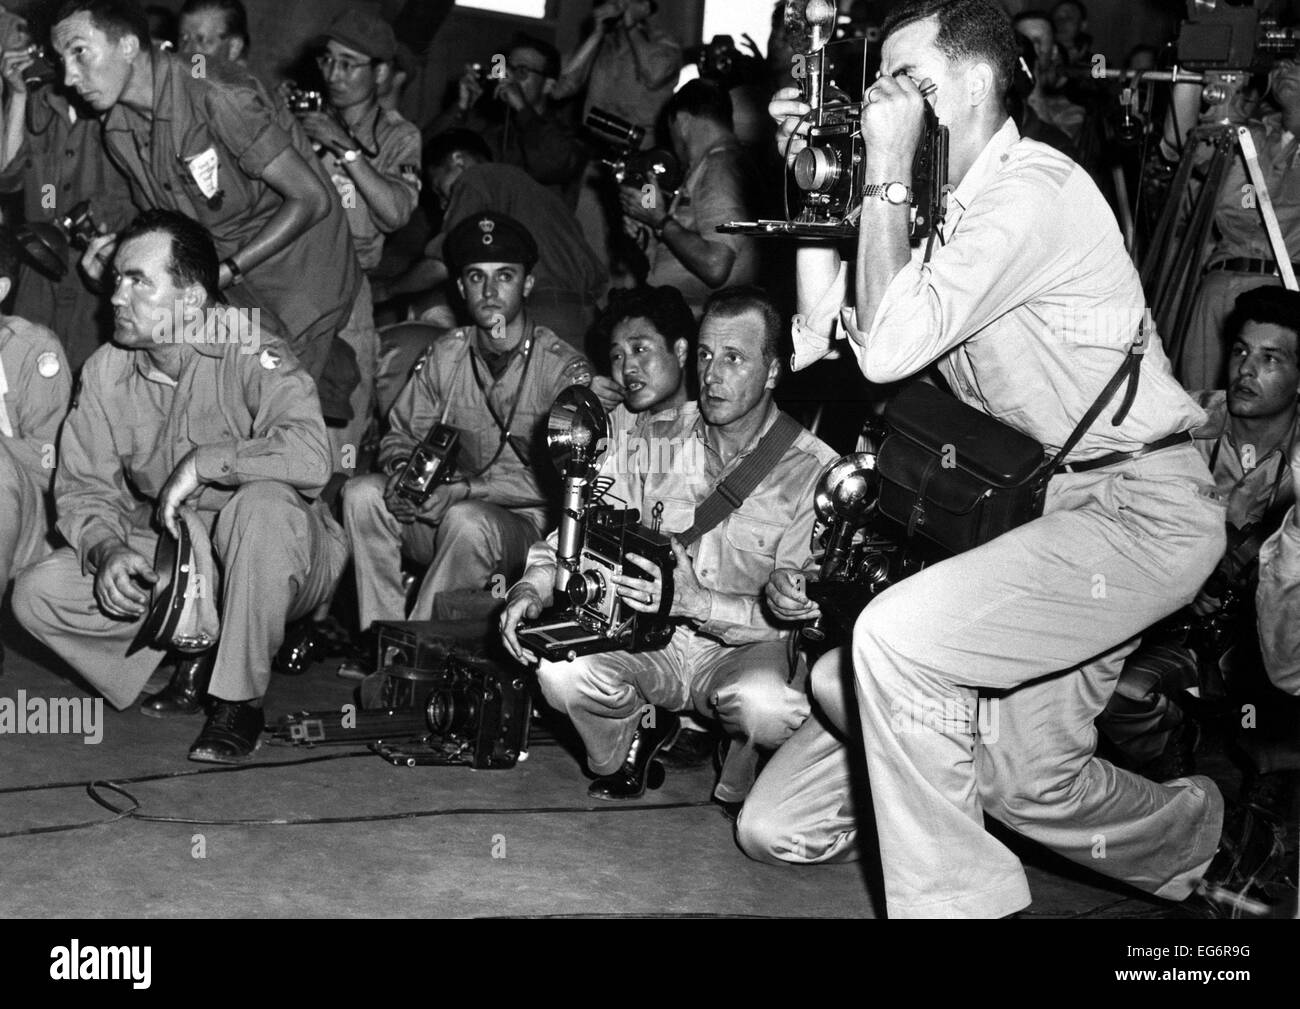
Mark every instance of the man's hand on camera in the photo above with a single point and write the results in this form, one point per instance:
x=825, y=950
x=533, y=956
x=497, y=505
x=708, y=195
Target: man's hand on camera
x=522, y=602
x=647, y=207
x=691, y=600
x=398, y=507
x=509, y=92
x=12, y=65
x=323, y=129
x=608, y=391
x=434, y=509
x=788, y=108
x=98, y=254
x=787, y=596
x=893, y=119
x=119, y=571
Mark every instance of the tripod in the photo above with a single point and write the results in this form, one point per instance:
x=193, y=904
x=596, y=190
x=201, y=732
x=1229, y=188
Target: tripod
x=1171, y=270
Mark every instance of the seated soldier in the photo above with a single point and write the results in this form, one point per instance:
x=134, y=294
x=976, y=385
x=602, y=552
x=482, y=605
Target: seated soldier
x=34, y=390
x=494, y=381
x=726, y=659
x=1277, y=599
x=174, y=414
x=1253, y=428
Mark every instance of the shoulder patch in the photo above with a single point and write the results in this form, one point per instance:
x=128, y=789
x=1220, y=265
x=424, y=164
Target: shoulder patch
x=47, y=365
x=269, y=360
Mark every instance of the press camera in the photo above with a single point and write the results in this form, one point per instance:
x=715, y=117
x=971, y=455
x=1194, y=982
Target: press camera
x=47, y=245
x=301, y=101
x=432, y=463
x=41, y=69
x=829, y=172
x=627, y=163
x=594, y=539
x=1219, y=36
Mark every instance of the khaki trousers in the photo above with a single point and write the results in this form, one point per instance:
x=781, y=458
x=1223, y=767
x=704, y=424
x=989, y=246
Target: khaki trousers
x=745, y=687
x=1034, y=625
x=280, y=557
x=24, y=522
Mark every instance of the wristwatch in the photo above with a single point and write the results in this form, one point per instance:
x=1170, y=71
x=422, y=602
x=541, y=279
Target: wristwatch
x=351, y=156
x=658, y=230
x=891, y=192
x=236, y=274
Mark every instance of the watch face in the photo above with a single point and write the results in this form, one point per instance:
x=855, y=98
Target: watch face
x=896, y=192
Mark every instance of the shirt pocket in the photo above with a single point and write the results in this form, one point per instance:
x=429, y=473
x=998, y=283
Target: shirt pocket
x=218, y=197
x=678, y=515
x=754, y=536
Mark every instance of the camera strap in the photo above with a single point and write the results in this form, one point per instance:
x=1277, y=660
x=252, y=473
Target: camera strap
x=503, y=426
x=740, y=483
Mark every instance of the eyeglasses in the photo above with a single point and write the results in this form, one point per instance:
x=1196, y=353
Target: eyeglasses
x=522, y=70
x=327, y=63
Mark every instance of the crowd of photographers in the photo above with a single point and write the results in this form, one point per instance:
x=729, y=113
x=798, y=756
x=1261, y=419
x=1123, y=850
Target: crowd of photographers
x=555, y=224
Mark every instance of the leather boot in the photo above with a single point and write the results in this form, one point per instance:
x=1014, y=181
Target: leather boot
x=640, y=769
x=184, y=694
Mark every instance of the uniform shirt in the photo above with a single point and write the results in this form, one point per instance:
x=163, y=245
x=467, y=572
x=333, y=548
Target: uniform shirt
x=203, y=153
x=1028, y=307
x=1277, y=605
x=616, y=82
x=1255, y=492
x=397, y=160
x=712, y=194
x=60, y=162
x=1236, y=212
x=771, y=529
x=251, y=416
x=446, y=380
x=35, y=386
x=565, y=263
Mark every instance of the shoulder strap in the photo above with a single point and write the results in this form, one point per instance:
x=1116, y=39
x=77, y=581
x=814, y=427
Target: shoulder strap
x=740, y=483
x=1130, y=369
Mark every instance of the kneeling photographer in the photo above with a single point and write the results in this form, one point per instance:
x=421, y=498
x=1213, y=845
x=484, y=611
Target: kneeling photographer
x=726, y=658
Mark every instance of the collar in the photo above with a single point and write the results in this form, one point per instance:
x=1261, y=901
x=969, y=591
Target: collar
x=119, y=117
x=699, y=429
x=988, y=164
x=144, y=365
x=477, y=351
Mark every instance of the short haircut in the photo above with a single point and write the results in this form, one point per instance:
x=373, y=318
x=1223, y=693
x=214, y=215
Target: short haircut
x=1268, y=304
x=194, y=254
x=1083, y=11
x=731, y=302
x=969, y=30
x=550, y=55
x=236, y=16
x=705, y=99
x=9, y=255
x=1031, y=15
x=115, y=18
x=663, y=307
x=443, y=145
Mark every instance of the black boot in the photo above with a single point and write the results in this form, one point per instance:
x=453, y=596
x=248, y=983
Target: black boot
x=231, y=734
x=640, y=769
x=184, y=695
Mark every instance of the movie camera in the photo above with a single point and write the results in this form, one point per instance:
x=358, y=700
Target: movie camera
x=627, y=163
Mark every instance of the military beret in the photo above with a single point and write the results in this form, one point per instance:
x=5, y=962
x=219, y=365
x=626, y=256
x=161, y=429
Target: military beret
x=488, y=237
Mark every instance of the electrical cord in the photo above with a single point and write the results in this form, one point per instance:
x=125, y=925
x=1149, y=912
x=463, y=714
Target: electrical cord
x=97, y=788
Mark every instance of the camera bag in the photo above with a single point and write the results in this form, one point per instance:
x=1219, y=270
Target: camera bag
x=958, y=477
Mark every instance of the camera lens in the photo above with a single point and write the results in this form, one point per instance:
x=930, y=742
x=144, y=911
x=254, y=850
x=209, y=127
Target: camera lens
x=452, y=712
x=587, y=589
x=816, y=169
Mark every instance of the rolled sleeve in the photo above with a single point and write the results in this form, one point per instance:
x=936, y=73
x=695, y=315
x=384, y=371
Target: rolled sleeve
x=815, y=335
x=1277, y=601
x=246, y=124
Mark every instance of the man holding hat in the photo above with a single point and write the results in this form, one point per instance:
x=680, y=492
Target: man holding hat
x=183, y=421
x=494, y=381
x=372, y=157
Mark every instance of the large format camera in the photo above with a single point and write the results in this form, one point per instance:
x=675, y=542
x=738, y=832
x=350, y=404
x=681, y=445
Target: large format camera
x=627, y=163
x=594, y=540
x=829, y=172
x=1219, y=36
x=48, y=245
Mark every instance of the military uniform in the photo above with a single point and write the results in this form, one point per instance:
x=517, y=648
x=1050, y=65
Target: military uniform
x=35, y=385
x=62, y=150
x=502, y=508
x=255, y=421
x=203, y=153
x=732, y=666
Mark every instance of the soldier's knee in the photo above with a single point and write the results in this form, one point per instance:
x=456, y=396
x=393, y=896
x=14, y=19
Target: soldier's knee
x=765, y=835
x=363, y=494
x=763, y=709
x=32, y=591
x=468, y=519
x=558, y=682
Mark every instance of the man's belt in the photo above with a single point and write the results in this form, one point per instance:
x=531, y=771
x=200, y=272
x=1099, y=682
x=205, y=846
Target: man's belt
x=1246, y=265
x=1170, y=441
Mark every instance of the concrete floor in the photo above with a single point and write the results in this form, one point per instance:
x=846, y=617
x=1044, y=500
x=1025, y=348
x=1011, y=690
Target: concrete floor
x=461, y=851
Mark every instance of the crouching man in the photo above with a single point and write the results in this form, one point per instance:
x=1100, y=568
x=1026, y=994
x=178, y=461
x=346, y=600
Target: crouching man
x=726, y=659
x=165, y=419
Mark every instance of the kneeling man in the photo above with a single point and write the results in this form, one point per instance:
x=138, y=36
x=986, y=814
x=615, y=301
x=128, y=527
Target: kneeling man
x=727, y=659
x=168, y=416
